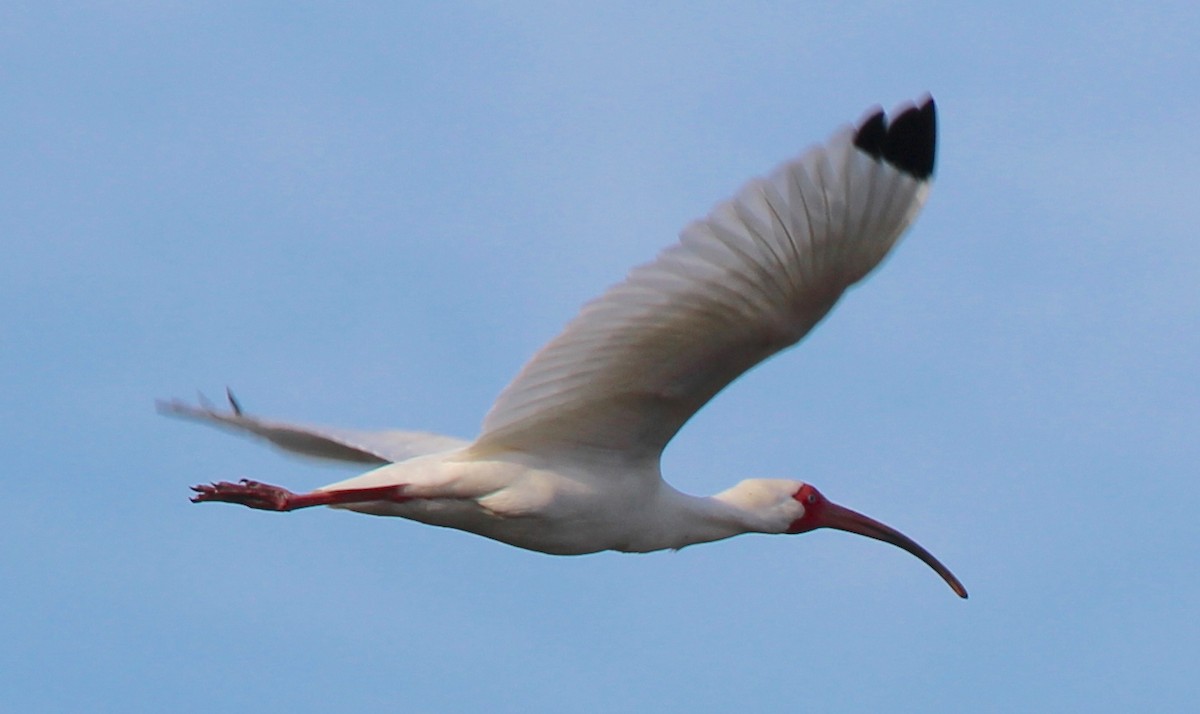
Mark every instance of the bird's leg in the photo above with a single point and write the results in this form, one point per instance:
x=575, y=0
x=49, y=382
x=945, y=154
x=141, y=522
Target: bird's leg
x=266, y=497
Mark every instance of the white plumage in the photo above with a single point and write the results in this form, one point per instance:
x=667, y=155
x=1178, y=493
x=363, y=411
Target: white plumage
x=568, y=458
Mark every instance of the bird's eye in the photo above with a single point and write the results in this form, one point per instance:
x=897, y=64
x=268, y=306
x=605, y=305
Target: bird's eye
x=812, y=498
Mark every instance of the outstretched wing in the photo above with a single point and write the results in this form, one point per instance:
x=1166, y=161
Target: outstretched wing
x=744, y=283
x=363, y=447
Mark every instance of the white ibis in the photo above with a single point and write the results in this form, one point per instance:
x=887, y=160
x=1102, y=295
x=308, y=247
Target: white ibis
x=568, y=458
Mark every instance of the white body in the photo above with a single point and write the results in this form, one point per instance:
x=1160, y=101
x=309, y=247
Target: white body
x=552, y=506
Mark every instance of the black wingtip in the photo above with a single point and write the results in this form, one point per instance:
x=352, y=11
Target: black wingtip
x=233, y=402
x=871, y=134
x=908, y=142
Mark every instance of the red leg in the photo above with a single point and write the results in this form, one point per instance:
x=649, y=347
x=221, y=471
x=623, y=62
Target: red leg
x=266, y=497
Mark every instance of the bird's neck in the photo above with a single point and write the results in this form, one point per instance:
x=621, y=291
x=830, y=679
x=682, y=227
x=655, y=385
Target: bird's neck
x=703, y=519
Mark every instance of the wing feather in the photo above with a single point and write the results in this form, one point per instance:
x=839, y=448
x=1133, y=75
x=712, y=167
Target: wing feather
x=364, y=447
x=747, y=281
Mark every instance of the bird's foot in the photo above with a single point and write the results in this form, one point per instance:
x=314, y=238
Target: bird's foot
x=253, y=494
x=266, y=497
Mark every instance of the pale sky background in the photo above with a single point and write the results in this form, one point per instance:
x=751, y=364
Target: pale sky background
x=371, y=216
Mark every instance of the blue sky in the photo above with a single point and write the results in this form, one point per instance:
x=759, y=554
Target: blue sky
x=371, y=216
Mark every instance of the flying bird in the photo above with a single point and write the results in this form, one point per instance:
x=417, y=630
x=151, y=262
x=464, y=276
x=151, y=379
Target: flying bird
x=568, y=458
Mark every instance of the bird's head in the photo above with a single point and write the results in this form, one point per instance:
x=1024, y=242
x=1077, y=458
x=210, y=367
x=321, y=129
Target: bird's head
x=816, y=511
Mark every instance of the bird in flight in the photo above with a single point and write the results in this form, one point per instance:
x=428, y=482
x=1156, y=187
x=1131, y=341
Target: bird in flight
x=568, y=459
